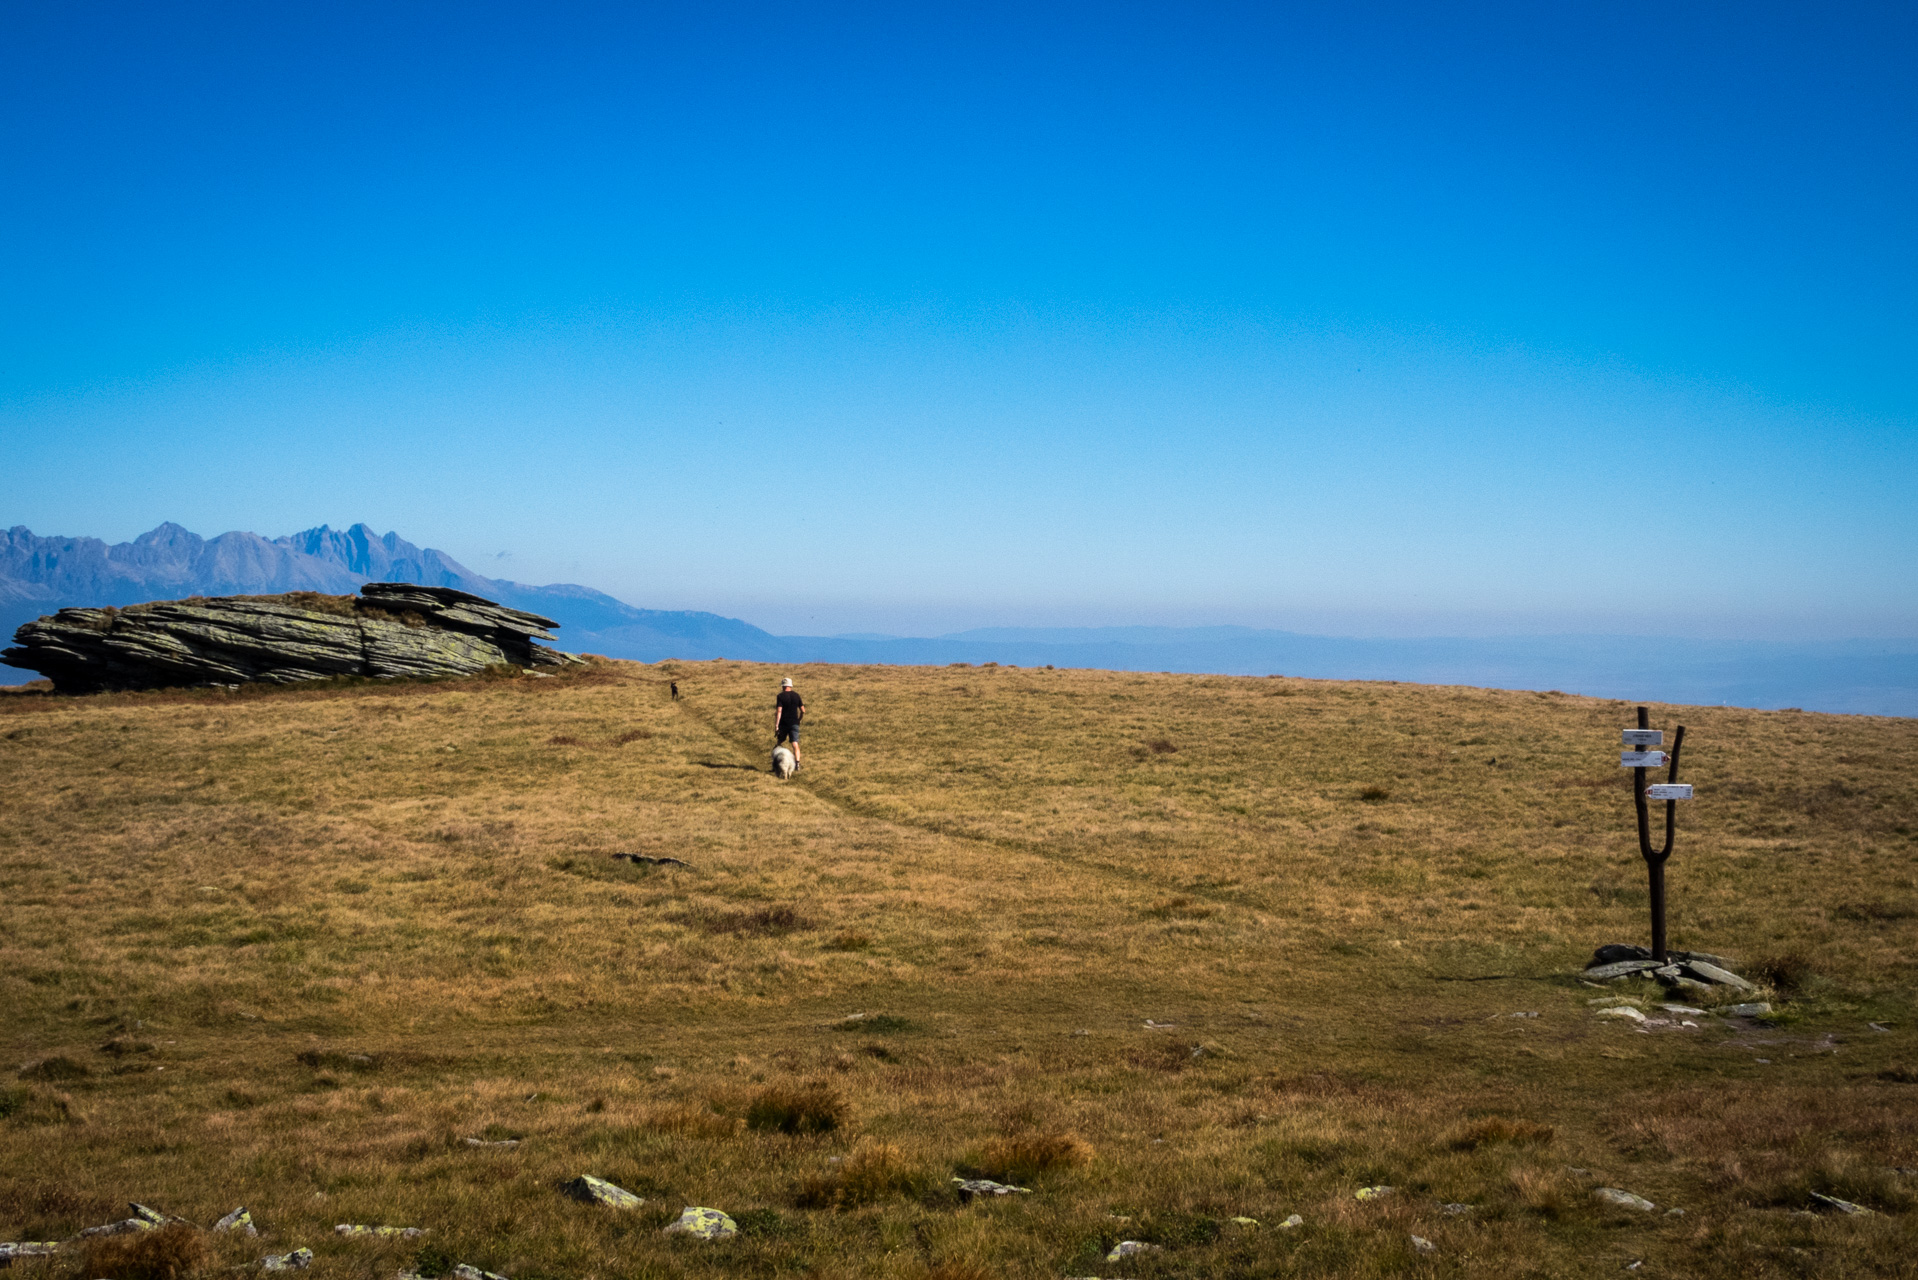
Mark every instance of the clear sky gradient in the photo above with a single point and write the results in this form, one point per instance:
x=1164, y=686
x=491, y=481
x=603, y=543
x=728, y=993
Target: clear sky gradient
x=1365, y=319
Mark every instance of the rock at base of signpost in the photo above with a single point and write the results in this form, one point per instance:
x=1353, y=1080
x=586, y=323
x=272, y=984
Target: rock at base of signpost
x=599, y=1191
x=703, y=1224
x=1705, y=971
x=1620, y=969
x=1623, y=1199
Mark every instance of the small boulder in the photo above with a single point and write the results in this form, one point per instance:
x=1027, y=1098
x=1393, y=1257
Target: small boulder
x=1243, y=1222
x=1292, y=1220
x=599, y=1191
x=1623, y=1199
x=1127, y=1248
x=508, y=1143
x=1757, y=1009
x=390, y=1233
x=298, y=1260
x=970, y=1187
x=1423, y=1245
x=1621, y=1011
x=1843, y=1206
x=466, y=1271
x=125, y=1226
x=27, y=1249
x=1373, y=1193
x=239, y=1221
x=703, y=1224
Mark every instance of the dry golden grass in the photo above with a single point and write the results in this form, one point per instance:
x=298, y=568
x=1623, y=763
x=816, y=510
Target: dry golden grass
x=290, y=949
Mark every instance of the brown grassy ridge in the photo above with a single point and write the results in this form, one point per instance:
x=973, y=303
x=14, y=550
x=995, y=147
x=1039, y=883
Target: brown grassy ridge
x=332, y=932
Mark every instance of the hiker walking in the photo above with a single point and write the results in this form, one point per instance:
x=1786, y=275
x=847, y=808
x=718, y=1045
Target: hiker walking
x=788, y=710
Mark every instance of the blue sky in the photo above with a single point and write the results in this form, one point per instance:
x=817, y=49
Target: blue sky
x=1378, y=320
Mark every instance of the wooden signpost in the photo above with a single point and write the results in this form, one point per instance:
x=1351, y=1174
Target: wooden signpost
x=1671, y=791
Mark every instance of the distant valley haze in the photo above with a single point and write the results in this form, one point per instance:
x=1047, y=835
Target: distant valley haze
x=41, y=574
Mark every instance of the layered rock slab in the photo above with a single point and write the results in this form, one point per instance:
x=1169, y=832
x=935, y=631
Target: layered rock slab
x=390, y=630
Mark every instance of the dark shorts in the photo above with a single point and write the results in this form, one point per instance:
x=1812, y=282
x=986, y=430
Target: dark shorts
x=786, y=733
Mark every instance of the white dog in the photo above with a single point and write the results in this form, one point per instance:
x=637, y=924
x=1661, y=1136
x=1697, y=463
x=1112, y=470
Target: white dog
x=783, y=763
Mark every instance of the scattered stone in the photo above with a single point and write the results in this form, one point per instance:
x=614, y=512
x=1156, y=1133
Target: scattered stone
x=1622, y=1011
x=1674, y=1213
x=1527, y=1014
x=1126, y=1248
x=599, y=1191
x=1623, y=969
x=125, y=1226
x=642, y=860
x=399, y=1233
x=466, y=1271
x=1843, y=1206
x=1456, y=1209
x=27, y=1249
x=508, y=1143
x=240, y=1220
x=1623, y=1199
x=391, y=629
x=970, y=1187
x=1682, y=1008
x=704, y=1224
x=151, y=1216
x=1150, y=1025
x=1707, y=972
x=1373, y=1193
x=1756, y=1009
x=1423, y=1245
x=298, y=1260
x=1600, y=1002
x=1244, y=1222
x=1878, y=1026
x=1292, y=1220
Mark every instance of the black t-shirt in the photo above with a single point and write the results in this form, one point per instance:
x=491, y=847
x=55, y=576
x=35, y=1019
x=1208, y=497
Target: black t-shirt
x=790, y=705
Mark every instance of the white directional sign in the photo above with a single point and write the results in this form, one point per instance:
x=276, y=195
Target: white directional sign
x=1644, y=737
x=1669, y=791
x=1642, y=759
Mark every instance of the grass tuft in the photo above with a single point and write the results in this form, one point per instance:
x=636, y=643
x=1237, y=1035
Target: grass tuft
x=57, y=1067
x=813, y=1107
x=1024, y=1157
x=172, y=1252
x=873, y=1173
x=1499, y=1130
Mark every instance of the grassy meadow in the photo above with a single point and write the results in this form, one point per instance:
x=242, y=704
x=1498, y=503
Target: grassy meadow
x=1166, y=950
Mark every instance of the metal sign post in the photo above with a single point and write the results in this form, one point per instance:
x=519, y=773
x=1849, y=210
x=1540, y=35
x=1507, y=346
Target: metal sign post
x=1671, y=791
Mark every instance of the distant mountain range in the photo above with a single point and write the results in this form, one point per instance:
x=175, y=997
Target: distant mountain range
x=39, y=575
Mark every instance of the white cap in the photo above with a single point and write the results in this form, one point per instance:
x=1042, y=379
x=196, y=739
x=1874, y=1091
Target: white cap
x=787, y=682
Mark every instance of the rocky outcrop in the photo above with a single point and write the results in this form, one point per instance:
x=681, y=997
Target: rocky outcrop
x=391, y=629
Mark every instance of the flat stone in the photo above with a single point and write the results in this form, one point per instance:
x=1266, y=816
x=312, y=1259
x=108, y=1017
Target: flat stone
x=125, y=1226
x=508, y=1143
x=28, y=1249
x=1244, y=1222
x=1620, y=1011
x=1707, y=972
x=1373, y=1193
x=703, y=1224
x=1456, y=1209
x=1843, y=1206
x=1622, y=969
x=1127, y=1248
x=599, y=1191
x=153, y=1216
x=1682, y=1008
x=298, y=1260
x=390, y=1233
x=970, y=1187
x=240, y=1220
x=1623, y=1199
x=1757, y=1009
